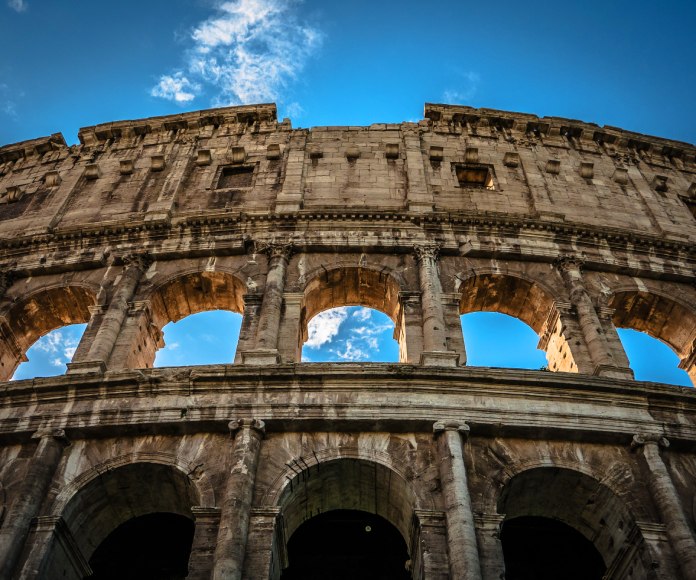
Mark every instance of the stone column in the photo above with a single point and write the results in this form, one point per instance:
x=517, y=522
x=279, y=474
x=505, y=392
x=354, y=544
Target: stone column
x=289, y=339
x=429, y=546
x=409, y=328
x=453, y=324
x=435, y=350
x=265, y=557
x=461, y=533
x=556, y=339
x=266, y=351
x=688, y=363
x=490, y=547
x=29, y=497
x=207, y=521
x=590, y=325
x=100, y=350
x=236, y=503
x=664, y=494
x=250, y=323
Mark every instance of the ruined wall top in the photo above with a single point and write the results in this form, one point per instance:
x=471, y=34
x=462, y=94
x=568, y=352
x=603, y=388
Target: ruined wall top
x=460, y=166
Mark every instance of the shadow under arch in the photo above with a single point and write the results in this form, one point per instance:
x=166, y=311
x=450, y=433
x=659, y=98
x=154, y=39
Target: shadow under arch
x=352, y=286
x=581, y=502
x=32, y=317
x=660, y=317
x=109, y=498
x=348, y=483
x=177, y=297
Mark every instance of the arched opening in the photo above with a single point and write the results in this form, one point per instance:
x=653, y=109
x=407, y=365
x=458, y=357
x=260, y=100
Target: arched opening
x=538, y=548
x=204, y=338
x=181, y=297
x=347, y=544
x=350, y=333
x=651, y=359
x=661, y=318
x=343, y=493
x=155, y=546
x=109, y=511
x=50, y=355
x=36, y=316
x=548, y=505
x=494, y=340
x=332, y=292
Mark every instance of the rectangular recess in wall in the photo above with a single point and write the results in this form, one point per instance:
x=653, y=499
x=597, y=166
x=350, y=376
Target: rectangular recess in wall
x=236, y=177
x=474, y=175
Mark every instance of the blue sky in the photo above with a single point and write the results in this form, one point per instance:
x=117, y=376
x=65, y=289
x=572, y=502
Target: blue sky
x=64, y=65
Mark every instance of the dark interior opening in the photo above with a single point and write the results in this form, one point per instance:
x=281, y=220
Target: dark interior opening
x=473, y=176
x=538, y=548
x=343, y=544
x=234, y=176
x=153, y=547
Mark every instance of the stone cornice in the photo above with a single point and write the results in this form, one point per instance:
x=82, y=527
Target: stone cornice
x=519, y=124
x=15, y=151
x=605, y=410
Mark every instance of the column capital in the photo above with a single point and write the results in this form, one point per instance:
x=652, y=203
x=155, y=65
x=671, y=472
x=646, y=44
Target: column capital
x=139, y=260
x=50, y=432
x=274, y=249
x=642, y=439
x=256, y=424
x=426, y=251
x=440, y=427
x=7, y=277
x=567, y=263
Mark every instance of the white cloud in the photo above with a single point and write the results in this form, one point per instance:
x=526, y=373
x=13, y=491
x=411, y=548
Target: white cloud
x=465, y=91
x=175, y=88
x=247, y=53
x=18, y=5
x=362, y=314
x=352, y=352
x=60, y=346
x=324, y=326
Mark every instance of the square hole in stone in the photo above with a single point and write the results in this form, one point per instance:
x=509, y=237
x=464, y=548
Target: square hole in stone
x=236, y=176
x=474, y=176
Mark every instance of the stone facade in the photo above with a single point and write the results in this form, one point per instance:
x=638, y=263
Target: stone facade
x=573, y=228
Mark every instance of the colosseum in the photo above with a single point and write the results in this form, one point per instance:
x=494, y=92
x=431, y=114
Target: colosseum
x=273, y=468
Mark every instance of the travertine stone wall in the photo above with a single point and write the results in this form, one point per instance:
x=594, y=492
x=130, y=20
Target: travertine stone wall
x=573, y=228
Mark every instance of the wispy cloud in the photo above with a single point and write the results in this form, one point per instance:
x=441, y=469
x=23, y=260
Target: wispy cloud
x=59, y=345
x=465, y=89
x=324, y=327
x=18, y=5
x=8, y=105
x=248, y=52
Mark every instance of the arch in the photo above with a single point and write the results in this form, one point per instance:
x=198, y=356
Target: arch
x=40, y=312
x=660, y=316
x=593, y=509
x=174, y=298
x=528, y=300
x=195, y=291
x=353, y=286
x=105, y=498
x=348, y=484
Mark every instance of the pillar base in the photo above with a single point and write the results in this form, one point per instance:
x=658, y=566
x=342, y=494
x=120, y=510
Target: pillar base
x=613, y=372
x=261, y=357
x=86, y=367
x=439, y=358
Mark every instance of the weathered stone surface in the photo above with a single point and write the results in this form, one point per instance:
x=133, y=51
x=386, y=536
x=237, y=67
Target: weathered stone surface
x=572, y=228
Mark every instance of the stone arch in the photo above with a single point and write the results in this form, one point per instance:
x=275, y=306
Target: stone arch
x=664, y=317
x=351, y=285
x=593, y=508
x=176, y=297
x=37, y=314
x=107, y=496
x=514, y=294
x=530, y=300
